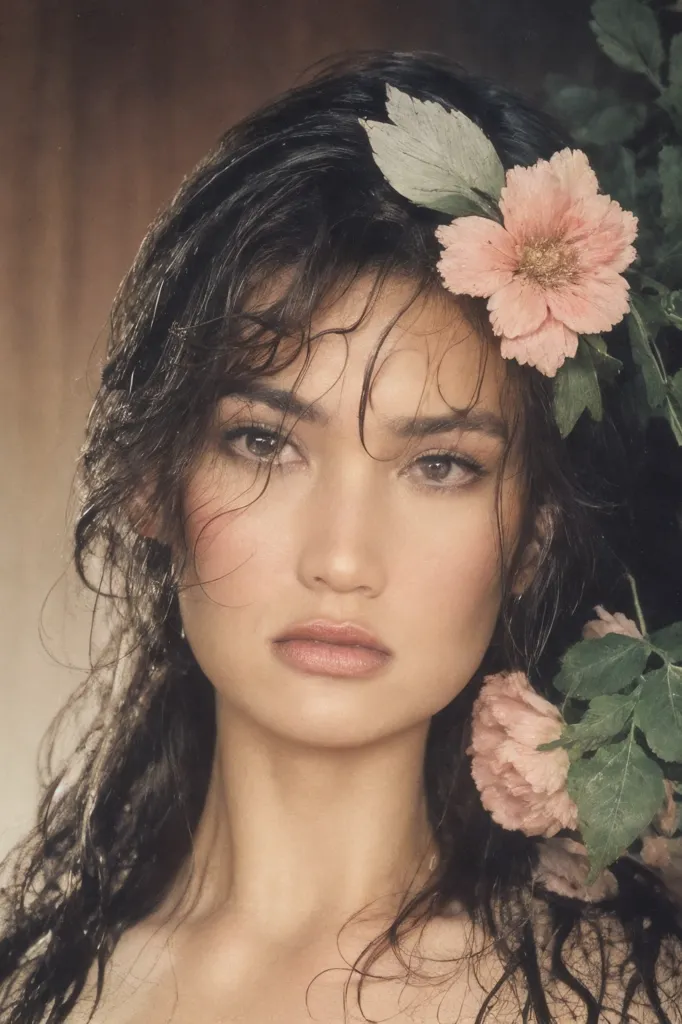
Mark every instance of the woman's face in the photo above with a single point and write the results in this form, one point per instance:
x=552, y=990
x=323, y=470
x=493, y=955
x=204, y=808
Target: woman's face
x=404, y=545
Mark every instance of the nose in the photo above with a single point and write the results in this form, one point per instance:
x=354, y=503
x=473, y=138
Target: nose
x=344, y=536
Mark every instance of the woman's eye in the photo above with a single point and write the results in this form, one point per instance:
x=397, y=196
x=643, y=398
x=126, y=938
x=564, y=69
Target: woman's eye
x=450, y=470
x=438, y=470
x=260, y=443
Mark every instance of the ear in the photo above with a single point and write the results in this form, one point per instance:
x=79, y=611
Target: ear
x=542, y=538
x=143, y=520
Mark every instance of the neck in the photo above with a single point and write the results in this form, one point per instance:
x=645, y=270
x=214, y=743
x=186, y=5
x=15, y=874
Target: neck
x=294, y=840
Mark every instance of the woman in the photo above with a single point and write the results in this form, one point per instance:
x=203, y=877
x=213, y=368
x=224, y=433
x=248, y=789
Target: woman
x=273, y=814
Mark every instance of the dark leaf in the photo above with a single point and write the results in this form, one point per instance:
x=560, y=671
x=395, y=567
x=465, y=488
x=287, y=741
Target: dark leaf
x=595, y=667
x=604, y=719
x=618, y=791
x=659, y=712
x=643, y=355
x=576, y=388
x=628, y=33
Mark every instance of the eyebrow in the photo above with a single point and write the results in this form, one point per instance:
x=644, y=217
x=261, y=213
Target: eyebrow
x=480, y=420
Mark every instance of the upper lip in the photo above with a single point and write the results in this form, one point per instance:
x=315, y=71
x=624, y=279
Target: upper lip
x=348, y=634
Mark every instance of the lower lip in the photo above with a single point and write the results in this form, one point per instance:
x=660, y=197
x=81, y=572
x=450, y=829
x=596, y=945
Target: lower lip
x=319, y=658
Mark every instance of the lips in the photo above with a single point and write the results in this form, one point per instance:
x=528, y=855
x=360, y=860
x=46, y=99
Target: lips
x=346, y=634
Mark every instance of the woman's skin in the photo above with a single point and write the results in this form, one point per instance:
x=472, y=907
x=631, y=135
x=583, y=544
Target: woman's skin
x=316, y=805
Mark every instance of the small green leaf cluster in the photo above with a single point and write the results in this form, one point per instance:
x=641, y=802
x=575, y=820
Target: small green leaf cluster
x=623, y=698
x=636, y=151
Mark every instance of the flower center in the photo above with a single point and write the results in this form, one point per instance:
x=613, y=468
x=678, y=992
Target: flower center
x=549, y=262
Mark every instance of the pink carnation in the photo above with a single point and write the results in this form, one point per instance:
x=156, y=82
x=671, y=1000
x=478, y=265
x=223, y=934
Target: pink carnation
x=563, y=867
x=522, y=787
x=554, y=269
x=610, y=623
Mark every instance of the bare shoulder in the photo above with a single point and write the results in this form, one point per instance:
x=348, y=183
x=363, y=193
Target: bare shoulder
x=453, y=969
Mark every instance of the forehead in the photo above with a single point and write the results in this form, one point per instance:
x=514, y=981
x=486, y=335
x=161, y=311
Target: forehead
x=421, y=350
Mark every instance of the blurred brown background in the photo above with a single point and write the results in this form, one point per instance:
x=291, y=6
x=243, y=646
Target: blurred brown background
x=104, y=106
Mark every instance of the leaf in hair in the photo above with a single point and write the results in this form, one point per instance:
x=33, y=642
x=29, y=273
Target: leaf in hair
x=618, y=791
x=601, y=665
x=436, y=158
x=576, y=388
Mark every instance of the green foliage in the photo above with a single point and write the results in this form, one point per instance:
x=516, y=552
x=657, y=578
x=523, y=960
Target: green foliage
x=635, y=148
x=659, y=711
x=435, y=157
x=605, y=718
x=618, y=790
x=668, y=641
x=576, y=388
x=592, y=668
x=628, y=33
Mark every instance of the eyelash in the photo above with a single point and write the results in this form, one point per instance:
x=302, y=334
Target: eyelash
x=229, y=437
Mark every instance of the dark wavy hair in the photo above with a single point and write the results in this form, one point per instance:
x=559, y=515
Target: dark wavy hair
x=292, y=194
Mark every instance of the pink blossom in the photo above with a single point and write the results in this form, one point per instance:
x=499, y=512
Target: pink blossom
x=667, y=818
x=610, y=623
x=522, y=787
x=665, y=857
x=563, y=867
x=553, y=269
x=655, y=852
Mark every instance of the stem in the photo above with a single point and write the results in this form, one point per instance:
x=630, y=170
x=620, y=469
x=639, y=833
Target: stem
x=638, y=608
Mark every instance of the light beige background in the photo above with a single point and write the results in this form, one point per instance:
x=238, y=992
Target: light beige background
x=104, y=105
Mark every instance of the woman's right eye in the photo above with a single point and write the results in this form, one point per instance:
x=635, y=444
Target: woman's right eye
x=261, y=443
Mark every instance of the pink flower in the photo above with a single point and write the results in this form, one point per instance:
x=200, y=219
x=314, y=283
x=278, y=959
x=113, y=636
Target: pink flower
x=655, y=852
x=522, y=787
x=554, y=270
x=563, y=867
x=665, y=857
x=667, y=819
x=609, y=623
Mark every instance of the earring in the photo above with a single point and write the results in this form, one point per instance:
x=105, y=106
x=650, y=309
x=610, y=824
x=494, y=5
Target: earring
x=182, y=632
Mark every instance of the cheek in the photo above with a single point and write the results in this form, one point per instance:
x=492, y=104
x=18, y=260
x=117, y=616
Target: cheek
x=233, y=546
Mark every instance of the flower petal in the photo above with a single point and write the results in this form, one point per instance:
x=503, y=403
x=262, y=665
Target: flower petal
x=594, y=303
x=603, y=232
x=479, y=256
x=518, y=308
x=572, y=170
x=532, y=202
x=546, y=348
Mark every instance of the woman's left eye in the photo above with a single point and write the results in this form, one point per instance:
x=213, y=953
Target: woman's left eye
x=271, y=443
x=468, y=469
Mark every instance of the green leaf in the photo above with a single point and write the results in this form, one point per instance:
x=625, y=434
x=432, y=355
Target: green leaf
x=675, y=385
x=618, y=792
x=671, y=98
x=669, y=639
x=659, y=712
x=672, y=308
x=607, y=367
x=601, y=665
x=436, y=158
x=668, y=267
x=628, y=33
x=675, y=61
x=572, y=103
x=611, y=125
x=643, y=355
x=576, y=388
x=670, y=173
x=603, y=720
x=619, y=177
